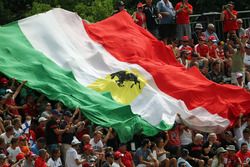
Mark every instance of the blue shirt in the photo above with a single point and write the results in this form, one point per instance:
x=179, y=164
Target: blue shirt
x=166, y=7
x=35, y=149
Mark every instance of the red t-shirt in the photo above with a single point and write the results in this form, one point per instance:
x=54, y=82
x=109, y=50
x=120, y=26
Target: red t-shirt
x=141, y=18
x=12, y=102
x=203, y=50
x=174, y=137
x=220, y=53
x=40, y=162
x=187, y=48
x=230, y=23
x=243, y=157
x=30, y=109
x=232, y=160
x=212, y=50
x=127, y=159
x=183, y=16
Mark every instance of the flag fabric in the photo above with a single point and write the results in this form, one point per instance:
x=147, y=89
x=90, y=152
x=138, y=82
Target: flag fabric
x=116, y=72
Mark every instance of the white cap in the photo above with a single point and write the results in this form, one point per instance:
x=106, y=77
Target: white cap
x=75, y=141
x=42, y=119
x=238, y=75
x=9, y=91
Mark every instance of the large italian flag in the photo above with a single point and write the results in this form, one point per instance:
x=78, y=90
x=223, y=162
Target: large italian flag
x=116, y=72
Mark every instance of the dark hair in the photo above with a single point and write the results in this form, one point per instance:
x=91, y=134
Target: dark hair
x=9, y=128
x=243, y=144
x=14, y=140
x=15, y=121
x=41, y=140
x=144, y=142
x=184, y=152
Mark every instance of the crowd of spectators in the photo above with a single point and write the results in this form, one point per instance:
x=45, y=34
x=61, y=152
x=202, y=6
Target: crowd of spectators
x=38, y=132
x=220, y=60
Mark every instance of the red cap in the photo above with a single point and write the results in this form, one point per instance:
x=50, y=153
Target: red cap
x=185, y=38
x=20, y=156
x=212, y=38
x=88, y=147
x=4, y=80
x=139, y=5
x=118, y=155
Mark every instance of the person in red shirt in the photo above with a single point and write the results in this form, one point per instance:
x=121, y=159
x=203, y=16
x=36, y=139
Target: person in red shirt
x=140, y=17
x=174, y=142
x=183, y=10
x=203, y=51
x=126, y=159
x=186, y=47
x=231, y=159
x=30, y=107
x=243, y=154
x=41, y=160
x=229, y=18
x=212, y=47
x=11, y=103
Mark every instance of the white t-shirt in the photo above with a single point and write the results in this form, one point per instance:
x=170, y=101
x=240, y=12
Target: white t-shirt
x=7, y=140
x=13, y=153
x=96, y=146
x=71, y=156
x=114, y=164
x=56, y=163
x=247, y=60
x=18, y=132
x=186, y=137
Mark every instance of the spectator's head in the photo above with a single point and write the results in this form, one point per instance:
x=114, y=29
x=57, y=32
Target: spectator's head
x=220, y=151
x=2, y=143
x=198, y=139
x=240, y=79
x=212, y=137
x=41, y=142
x=14, y=142
x=216, y=66
x=246, y=133
x=30, y=156
x=67, y=116
x=212, y=39
x=211, y=28
x=202, y=40
x=75, y=143
x=182, y=164
x=160, y=142
x=20, y=156
x=239, y=22
x=228, y=135
x=146, y=143
x=9, y=130
x=97, y=136
x=244, y=148
x=85, y=138
x=140, y=6
x=4, y=81
x=22, y=140
x=58, y=106
x=118, y=155
x=123, y=147
x=230, y=5
x=109, y=157
x=247, y=48
x=121, y=5
x=42, y=121
x=231, y=149
x=56, y=153
x=43, y=154
x=88, y=149
x=148, y=2
x=16, y=123
x=198, y=27
x=185, y=40
x=3, y=159
x=184, y=153
x=48, y=107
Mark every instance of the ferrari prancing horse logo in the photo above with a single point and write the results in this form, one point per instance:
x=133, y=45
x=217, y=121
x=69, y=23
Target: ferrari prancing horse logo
x=124, y=85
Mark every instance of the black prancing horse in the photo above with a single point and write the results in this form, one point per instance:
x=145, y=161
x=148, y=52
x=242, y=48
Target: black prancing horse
x=125, y=76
